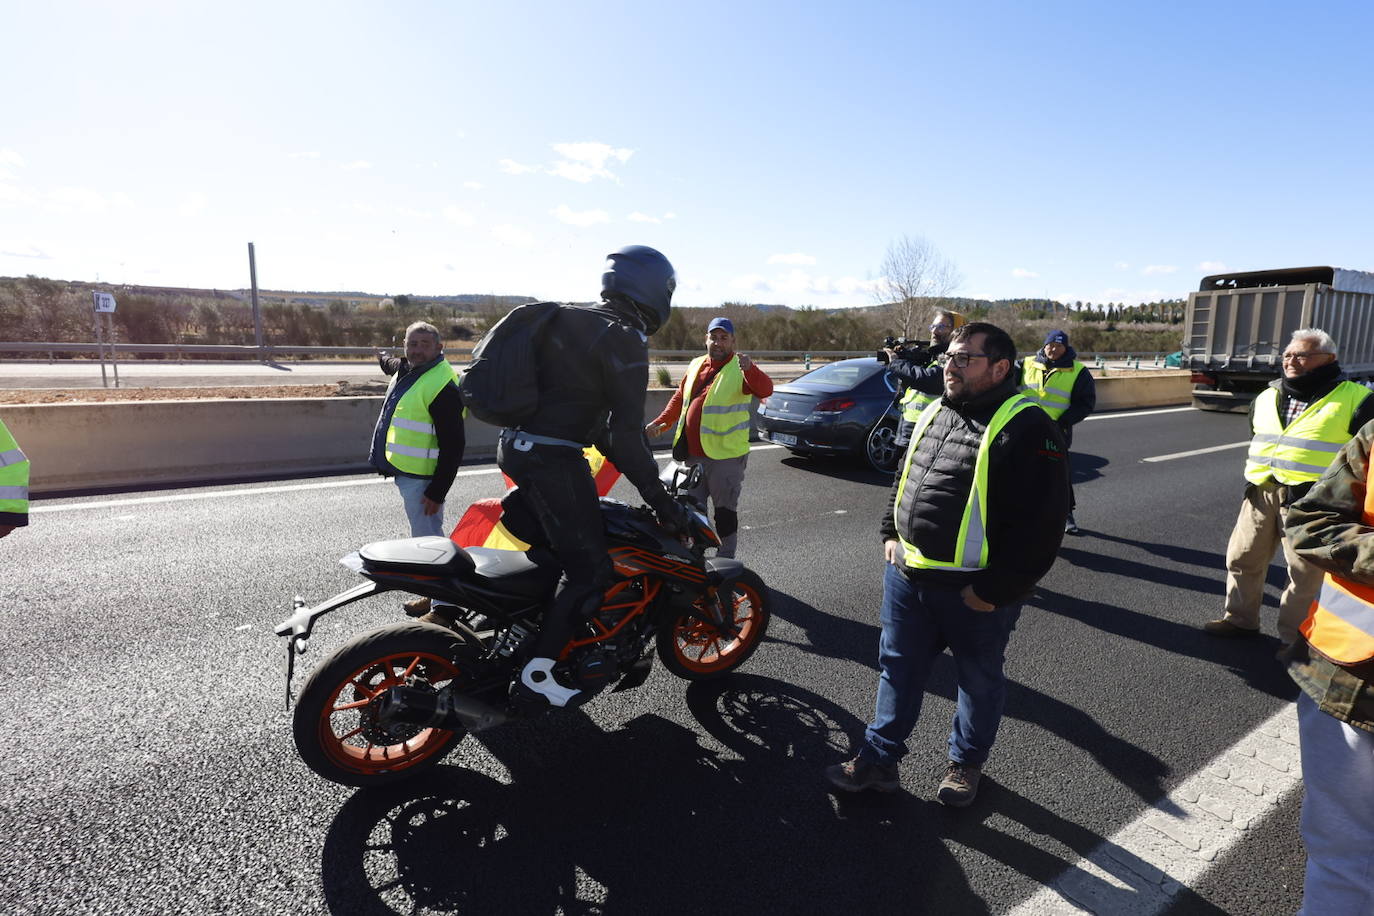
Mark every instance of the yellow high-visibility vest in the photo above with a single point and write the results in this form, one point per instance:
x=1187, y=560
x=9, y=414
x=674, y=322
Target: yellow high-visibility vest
x=1050, y=388
x=1301, y=451
x=14, y=477
x=1340, y=623
x=412, y=445
x=724, y=413
x=971, y=547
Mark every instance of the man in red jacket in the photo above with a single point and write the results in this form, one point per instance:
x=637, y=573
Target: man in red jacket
x=713, y=430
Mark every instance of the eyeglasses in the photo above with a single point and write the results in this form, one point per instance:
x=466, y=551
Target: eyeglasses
x=1302, y=357
x=941, y=326
x=961, y=360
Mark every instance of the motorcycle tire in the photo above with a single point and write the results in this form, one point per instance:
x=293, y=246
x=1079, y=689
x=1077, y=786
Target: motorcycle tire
x=693, y=648
x=334, y=728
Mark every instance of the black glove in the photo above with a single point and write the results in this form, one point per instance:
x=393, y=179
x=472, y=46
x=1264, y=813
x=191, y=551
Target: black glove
x=671, y=514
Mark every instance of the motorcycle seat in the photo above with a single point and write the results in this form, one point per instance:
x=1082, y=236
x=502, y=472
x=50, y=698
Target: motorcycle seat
x=431, y=556
x=529, y=575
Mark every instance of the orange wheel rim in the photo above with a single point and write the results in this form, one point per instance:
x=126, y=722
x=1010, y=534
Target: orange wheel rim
x=700, y=646
x=349, y=733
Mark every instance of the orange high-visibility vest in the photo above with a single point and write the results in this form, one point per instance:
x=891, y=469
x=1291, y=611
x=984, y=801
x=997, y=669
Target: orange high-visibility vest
x=1340, y=624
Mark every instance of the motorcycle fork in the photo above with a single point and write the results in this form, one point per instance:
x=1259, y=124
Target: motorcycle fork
x=718, y=614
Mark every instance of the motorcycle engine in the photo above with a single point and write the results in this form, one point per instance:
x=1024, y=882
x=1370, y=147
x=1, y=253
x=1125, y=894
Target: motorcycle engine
x=595, y=666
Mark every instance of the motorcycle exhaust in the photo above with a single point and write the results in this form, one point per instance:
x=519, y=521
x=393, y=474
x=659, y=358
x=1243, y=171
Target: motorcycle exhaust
x=446, y=709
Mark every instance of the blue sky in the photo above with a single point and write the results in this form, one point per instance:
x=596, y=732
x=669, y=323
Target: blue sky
x=1080, y=151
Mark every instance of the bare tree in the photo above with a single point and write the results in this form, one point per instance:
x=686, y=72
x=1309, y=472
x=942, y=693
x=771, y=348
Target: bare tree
x=913, y=273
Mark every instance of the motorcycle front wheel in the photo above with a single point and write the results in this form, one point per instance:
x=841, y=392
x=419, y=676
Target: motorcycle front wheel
x=695, y=649
x=335, y=725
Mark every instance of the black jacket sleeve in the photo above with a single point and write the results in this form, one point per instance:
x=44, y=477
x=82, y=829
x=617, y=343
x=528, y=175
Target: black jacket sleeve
x=1082, y=400
x=1028, y=484
x=1363, y=414
x=446, y=410
x=625, y=367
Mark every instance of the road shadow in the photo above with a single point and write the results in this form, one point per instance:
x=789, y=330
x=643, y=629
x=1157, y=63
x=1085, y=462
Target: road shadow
x=1213, y=562
x=1084, y=467
x=848, y=470
x=653, y=817
x=847, y=640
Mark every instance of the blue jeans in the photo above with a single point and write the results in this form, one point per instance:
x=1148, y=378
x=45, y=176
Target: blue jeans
x=919, y=622
x=421, y=525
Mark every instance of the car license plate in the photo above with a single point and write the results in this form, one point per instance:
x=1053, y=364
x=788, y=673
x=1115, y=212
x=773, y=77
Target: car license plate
x=784, y=439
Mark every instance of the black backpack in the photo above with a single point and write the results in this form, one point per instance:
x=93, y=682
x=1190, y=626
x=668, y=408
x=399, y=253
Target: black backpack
x=501, y=384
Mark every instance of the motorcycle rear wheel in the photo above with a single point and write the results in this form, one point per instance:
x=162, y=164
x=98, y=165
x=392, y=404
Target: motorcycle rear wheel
x=335, y=728
x=696, y=650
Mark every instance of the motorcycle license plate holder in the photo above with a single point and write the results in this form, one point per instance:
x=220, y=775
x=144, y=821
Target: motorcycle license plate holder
x=298, y=627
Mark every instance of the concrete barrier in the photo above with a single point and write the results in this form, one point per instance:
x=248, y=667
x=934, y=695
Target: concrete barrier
x=164, y=443
x=135, y=443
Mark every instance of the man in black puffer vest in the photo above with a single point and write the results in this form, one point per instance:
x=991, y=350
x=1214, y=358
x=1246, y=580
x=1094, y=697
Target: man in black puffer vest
x=974, y=520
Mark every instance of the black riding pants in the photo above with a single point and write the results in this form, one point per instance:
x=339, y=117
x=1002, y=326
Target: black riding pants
x=558, y=488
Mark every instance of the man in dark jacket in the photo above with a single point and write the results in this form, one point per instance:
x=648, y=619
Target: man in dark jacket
x=974, y=520
x=593, y=372
x=1064, y=389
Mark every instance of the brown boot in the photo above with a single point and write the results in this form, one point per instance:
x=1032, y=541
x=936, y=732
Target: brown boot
x=439, y=618
x=416, y=608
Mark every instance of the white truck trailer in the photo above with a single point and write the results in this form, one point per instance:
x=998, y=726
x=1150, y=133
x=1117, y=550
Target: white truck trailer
x=1238, y=324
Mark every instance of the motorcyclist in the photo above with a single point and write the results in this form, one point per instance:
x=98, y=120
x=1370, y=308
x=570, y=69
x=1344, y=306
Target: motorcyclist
x=593, y=370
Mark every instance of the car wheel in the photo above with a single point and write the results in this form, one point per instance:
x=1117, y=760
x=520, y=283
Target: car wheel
x=880, y=447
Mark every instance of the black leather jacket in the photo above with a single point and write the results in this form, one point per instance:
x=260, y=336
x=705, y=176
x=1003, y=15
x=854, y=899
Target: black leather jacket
x=593, y=372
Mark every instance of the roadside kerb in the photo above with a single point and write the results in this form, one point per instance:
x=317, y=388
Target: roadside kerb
x=164, y=443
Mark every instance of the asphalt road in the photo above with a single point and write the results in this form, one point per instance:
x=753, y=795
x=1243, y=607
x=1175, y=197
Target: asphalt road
x=151, y=768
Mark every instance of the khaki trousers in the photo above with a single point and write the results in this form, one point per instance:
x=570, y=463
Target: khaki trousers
x=1259, y=529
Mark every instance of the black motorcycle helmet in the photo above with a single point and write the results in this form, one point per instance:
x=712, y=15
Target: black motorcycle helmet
x=642, y=276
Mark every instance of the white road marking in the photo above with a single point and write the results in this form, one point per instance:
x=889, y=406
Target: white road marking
x=1172, y=844
x=1198, y=451
x=257, y=491
x=1135, y=413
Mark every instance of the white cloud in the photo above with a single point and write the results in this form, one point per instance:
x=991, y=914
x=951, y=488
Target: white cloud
x=193, y=203
x=473, y=185
x=511, y=167
x=459, y=217
x=795, y=258
x=311, y=154
x=1022, y=274
x=10, y=157
x=19, y=250
x=1151, y=269
x=512, y=235
x=411, y=213
x=580, y=217
x=670, y=215
x=86, y=200
x=1122, y=265
x=754, y=283
x=12, y=195
x=356, y=165
x=637, y=217
x=582, y=162
x=1212, y=267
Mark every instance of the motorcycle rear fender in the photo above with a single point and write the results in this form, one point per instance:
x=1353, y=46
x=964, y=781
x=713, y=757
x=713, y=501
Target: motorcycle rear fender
x=299, y=625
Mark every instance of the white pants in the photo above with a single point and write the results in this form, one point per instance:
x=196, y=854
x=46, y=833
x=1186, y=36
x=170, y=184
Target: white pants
x=1337, y=814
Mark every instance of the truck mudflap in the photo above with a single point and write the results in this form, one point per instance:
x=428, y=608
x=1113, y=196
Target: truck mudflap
x=1223, y=401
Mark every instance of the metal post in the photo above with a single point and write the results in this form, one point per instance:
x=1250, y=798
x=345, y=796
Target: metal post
x=99, y=349
x=114, y=360
x=257, y=314
x=808, y=362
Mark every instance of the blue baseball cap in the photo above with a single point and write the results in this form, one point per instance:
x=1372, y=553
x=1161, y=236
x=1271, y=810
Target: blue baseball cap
x=722, y=323
x=1057, y=336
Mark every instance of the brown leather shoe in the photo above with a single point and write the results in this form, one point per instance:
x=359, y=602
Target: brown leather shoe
x=1225, y=627
x=438, y=618
x=960, y=785
x=417, y=608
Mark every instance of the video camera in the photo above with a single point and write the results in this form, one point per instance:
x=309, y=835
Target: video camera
x=906, y=348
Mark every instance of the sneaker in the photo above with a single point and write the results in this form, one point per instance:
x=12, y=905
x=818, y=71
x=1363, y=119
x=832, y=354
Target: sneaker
x=861, y=773
x=1070, y=526
x=960, y=785
x=1224, y=627
x=417, y=608
x=538, y=677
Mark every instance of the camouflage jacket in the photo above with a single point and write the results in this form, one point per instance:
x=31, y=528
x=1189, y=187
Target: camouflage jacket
x=1326, y=529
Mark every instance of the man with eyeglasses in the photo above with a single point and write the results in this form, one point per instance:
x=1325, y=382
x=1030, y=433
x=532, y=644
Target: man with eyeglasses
x=1299, y=423
x=974, y=519
x=923, y=378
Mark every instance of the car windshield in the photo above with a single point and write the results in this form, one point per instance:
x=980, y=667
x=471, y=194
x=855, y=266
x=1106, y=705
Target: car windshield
x=841, y=376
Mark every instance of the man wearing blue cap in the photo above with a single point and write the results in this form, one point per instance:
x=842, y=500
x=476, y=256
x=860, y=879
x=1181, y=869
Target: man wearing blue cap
x=711, y=411
x=1064, y=389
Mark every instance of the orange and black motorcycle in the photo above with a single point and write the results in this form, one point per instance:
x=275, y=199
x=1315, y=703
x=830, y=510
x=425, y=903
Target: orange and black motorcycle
x=392, y=702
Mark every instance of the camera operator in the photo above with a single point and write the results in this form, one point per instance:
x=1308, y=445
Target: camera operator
x=918, y=368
